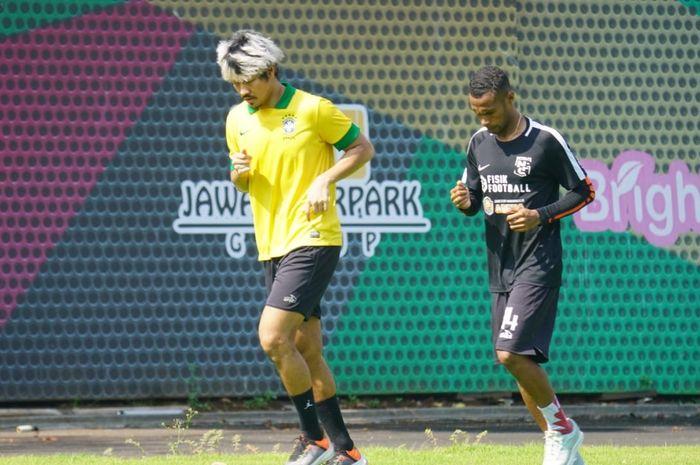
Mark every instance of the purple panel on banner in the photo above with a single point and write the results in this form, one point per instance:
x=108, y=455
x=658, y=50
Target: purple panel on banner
x=68, y=96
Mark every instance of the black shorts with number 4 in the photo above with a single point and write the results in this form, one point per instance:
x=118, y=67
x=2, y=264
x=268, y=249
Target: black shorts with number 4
x=298, y=280
x=522, y=320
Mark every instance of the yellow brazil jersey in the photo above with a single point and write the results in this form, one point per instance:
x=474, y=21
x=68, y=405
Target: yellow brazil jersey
x=290, y=145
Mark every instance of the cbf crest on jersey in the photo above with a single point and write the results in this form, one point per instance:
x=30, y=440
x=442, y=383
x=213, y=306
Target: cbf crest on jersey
x=289, y=124
x=522, y=166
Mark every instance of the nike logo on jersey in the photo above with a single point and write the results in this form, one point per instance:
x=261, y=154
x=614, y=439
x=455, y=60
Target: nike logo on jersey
x=483, y=167
x=243, y=131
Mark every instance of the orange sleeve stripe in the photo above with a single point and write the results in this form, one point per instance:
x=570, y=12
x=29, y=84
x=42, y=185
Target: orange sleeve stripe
x=589, y=199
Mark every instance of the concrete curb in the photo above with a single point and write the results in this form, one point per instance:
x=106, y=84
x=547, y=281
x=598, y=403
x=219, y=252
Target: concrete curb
x=451, y=416
x=156, y=417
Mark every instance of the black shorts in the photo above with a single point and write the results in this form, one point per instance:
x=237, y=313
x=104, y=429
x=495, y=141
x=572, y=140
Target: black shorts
x=298, y=280
x=522, y=320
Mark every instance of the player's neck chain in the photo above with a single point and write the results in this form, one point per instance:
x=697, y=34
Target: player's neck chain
x=516, y=131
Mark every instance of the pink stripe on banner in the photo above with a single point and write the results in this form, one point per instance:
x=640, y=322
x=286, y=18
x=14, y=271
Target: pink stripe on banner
x=68, y=95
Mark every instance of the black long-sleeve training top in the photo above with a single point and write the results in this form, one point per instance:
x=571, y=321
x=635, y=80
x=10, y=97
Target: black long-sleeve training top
x=528, y=171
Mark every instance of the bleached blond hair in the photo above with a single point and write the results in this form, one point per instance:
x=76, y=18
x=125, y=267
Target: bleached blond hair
x=246, y=55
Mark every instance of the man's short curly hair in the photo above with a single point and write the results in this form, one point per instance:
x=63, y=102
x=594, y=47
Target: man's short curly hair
x=489, y=79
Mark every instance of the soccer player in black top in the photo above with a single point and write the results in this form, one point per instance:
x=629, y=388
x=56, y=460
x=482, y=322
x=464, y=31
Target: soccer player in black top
x=515, y=168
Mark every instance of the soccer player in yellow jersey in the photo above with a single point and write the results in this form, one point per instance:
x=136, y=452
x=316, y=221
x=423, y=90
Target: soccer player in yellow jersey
x=281, y=143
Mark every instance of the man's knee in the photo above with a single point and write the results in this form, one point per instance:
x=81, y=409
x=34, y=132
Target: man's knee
x=508, y=359
x=311, y=352
x=276, y=331
x=275, y=345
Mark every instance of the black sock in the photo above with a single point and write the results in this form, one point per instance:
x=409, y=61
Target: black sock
x=308, y=419
x=332, y=420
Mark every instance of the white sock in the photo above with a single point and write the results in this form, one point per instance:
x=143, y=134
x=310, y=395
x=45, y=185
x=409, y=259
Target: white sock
x=556, y=418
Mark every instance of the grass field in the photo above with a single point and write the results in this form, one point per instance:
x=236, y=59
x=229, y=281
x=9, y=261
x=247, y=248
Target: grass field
x=481, y=454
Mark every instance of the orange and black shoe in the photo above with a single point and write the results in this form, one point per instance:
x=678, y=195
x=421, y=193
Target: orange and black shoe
x=347, y=457
x=309, y=452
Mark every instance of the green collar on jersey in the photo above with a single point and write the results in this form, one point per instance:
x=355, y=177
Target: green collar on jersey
x=283, y=102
